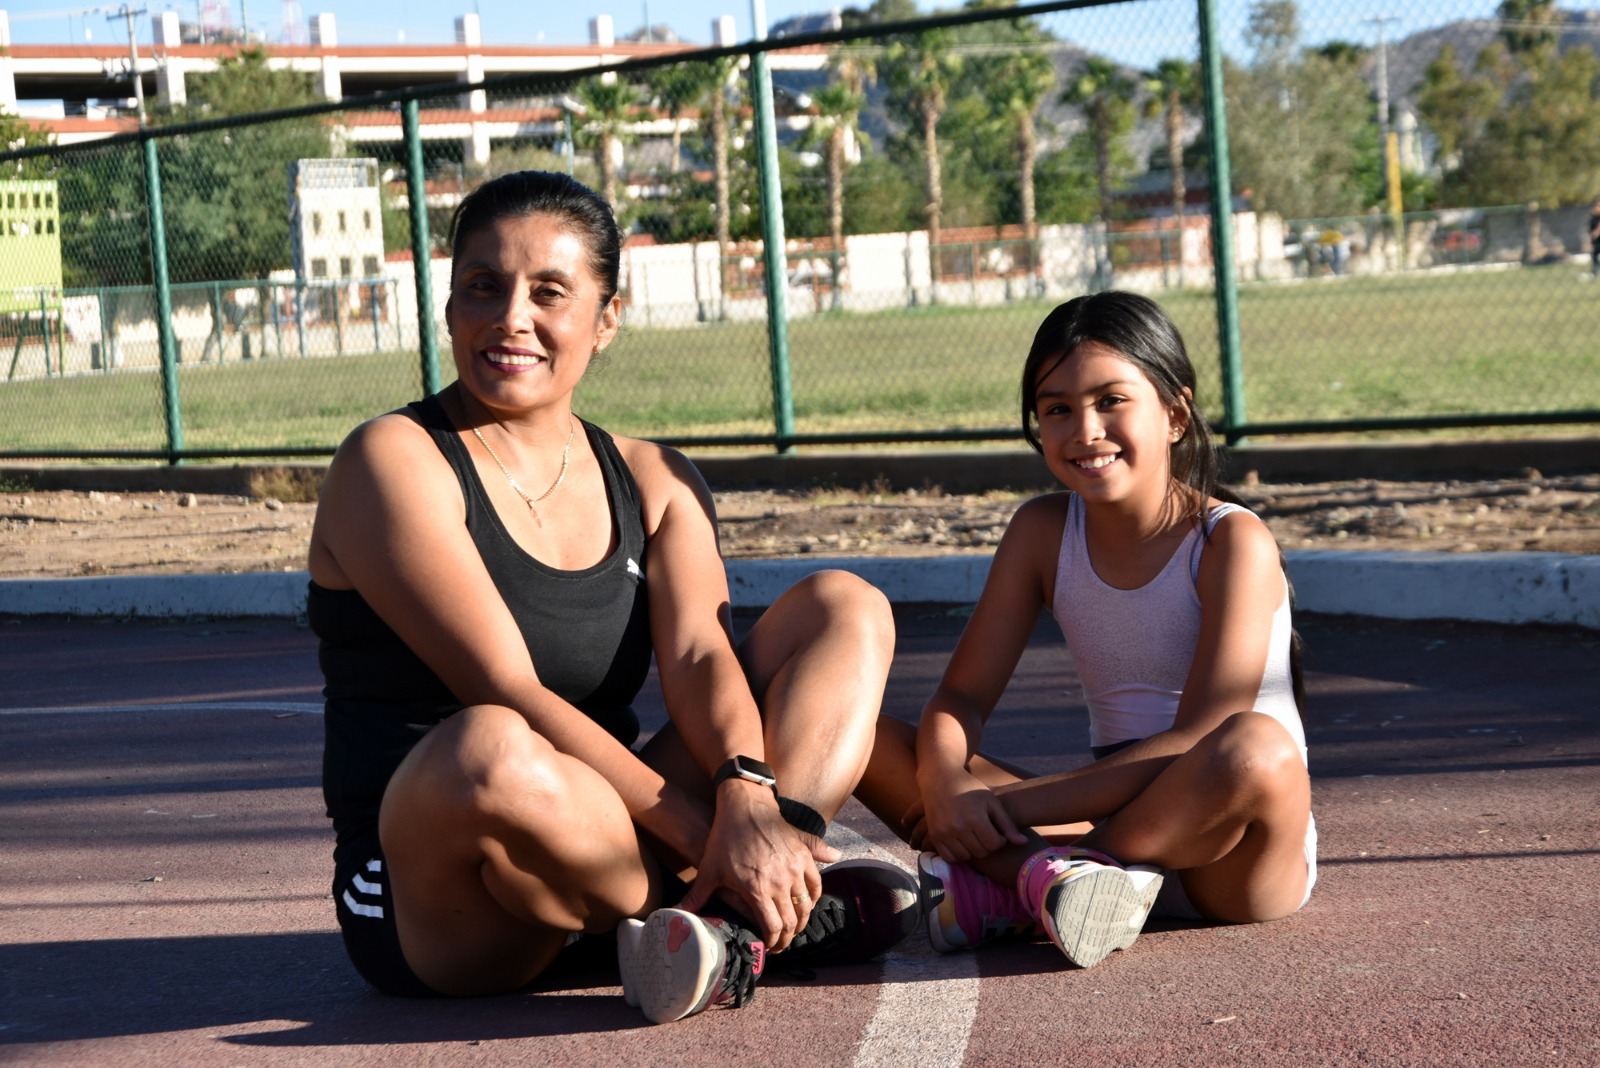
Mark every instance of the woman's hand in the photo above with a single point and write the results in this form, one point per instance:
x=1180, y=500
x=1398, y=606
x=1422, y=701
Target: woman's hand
x=759, y=864
x=962, y=820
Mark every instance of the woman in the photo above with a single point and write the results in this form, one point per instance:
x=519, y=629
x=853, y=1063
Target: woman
x=490, y=576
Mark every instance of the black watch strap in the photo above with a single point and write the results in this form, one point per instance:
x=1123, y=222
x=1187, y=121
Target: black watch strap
x=748, y=768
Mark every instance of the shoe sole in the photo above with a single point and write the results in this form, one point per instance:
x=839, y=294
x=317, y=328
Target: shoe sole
x=932, y=900
x=670, y=964
x=1097, y=913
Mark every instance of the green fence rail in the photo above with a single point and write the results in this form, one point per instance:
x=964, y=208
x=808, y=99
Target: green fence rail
x=846, y=237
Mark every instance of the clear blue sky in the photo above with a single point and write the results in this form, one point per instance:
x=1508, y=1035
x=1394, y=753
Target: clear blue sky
x=553, y=22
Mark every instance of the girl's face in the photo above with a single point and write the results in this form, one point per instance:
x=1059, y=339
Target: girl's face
x=1105, y=431
x=524, y=312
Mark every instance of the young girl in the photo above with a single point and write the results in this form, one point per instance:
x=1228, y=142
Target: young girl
x=1175, y=606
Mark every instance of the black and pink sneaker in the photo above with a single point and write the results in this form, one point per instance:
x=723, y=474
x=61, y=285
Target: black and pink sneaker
x=867, y=907
x=674, y=963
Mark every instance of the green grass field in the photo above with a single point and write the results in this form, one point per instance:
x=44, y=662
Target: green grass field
x=1486, y=343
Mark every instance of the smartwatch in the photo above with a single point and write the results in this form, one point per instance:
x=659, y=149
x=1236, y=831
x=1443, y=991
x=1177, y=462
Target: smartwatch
x=749, y=769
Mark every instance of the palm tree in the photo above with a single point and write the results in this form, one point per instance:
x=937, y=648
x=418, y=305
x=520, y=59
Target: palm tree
x=610, y=105
x=1019, y=87
x=1177, y=85
x=718, y=74
x=1105, y=95
x=675, y=90
x=838, y=109
x=921, y=69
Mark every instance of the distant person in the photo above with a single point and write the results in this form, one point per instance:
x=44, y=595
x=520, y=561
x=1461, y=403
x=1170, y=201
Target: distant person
x=1176, y=609
x=490, y=577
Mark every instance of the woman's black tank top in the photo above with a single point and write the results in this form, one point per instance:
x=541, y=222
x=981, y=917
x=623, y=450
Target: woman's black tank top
x=587, y=631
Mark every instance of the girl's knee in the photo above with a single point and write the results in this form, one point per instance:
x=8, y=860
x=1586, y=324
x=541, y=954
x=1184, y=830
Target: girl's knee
x=1253, y=749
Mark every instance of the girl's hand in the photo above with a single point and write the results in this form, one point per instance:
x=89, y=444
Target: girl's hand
x=759, y=864
x=963, y=821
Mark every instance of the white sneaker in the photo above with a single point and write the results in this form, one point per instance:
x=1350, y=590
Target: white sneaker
x=674, y=963
x=1091, y=909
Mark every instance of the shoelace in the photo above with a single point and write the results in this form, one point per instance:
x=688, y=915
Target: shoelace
x=829, y=922
x=745, y=959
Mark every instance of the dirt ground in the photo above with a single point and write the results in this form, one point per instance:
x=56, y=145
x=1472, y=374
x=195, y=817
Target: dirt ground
x=56, y=534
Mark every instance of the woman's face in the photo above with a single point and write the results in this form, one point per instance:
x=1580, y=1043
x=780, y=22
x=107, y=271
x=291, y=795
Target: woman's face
x=524, y=313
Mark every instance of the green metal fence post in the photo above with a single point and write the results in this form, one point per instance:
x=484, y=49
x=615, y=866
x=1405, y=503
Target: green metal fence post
x=372, y=301
x=772, y=238
x=277, y=318
x=337, y=292
x=216, y=319
x=105, y=331
x=421, y=257
x=1222, y=226
x=44, y=334
x=300, y=313
x=163, y=288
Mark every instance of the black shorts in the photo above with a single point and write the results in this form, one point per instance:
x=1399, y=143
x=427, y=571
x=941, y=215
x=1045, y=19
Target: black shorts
x=365, y=907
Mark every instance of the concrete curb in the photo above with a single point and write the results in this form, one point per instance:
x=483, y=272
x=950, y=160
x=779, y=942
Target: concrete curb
x=1552, y=588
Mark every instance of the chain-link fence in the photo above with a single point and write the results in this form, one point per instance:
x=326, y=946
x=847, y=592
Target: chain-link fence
x=1406, y=225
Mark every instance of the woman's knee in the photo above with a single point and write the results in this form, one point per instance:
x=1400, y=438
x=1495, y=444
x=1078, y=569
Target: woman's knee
x=478, y=761
x=840, y=597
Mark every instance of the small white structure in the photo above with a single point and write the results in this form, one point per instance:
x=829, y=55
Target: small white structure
x=336, y=219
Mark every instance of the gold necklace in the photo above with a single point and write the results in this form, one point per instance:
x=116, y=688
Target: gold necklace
x=566, y=455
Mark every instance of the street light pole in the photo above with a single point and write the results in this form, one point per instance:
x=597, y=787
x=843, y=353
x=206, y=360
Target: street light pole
x=126, y=13
x=1390, y=143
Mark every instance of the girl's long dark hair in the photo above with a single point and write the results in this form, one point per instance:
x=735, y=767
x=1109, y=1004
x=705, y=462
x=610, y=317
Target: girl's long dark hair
x=1142, y=334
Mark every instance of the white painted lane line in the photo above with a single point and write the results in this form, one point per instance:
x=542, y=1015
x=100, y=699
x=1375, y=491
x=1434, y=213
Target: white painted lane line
x=926, y=1008
x=927, y=1002
x=297, y=707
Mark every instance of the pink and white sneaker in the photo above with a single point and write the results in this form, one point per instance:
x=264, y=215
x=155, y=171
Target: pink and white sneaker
x=674, y=963
x=1089, y=905
x=962, y=907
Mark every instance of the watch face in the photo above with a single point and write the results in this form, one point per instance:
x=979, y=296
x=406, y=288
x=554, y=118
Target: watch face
x=756, y=771
x=749, y=769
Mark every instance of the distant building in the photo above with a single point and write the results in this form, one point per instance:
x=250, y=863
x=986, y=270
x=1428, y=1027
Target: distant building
x=336, y=219
x=30, y=246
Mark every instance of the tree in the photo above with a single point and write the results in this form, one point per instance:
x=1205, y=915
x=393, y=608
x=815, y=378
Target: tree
x=1019, y=87
x=610, y=106
x=17, y=133
x=1527, y=25
x=920, y=71
x=676, y=90
x=225, y=192
x=1176, y=85
x=1524, y=127
x=1106, y=95
x=838, y=110
x=1300, y=123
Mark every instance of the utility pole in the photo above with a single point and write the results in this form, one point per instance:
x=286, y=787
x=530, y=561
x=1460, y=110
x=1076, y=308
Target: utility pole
x=126, y=13
x=1390, y=142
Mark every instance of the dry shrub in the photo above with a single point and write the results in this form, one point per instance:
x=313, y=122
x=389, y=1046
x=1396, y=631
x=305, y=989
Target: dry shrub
x=287, y=484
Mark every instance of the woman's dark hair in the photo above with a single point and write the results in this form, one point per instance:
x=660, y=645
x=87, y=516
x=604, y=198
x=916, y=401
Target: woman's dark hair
x=521, y=193
x=1141, y=333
